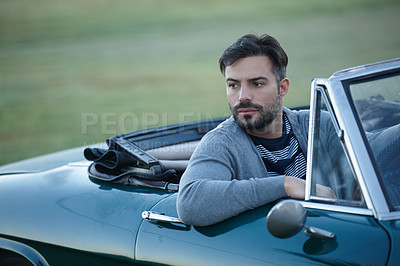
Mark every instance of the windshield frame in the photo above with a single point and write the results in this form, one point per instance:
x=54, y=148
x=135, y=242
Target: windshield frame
x=354, y=136
x=347, y=88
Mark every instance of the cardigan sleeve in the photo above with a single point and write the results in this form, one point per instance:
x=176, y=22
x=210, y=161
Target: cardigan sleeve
x=220, y=183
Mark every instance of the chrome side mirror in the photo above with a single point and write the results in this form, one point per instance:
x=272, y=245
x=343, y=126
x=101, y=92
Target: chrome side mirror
x=288, y=217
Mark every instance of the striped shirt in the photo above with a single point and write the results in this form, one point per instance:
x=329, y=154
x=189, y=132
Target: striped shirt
x=282, y=156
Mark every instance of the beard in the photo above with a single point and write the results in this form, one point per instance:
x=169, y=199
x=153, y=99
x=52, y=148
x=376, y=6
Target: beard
x=266, y=114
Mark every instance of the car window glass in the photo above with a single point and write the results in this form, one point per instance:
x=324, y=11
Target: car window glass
x=330, y=165
x=378, y=107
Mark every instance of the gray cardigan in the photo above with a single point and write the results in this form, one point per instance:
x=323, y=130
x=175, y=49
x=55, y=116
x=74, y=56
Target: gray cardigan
x=227, y=176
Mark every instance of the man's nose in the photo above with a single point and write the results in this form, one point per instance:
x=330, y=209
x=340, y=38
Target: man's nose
x=245, y=95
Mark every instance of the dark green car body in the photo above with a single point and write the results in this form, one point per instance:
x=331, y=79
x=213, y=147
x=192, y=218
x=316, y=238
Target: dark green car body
x=81, y=222
x=52, y=213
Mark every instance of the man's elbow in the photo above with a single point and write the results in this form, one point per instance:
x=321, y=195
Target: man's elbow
x=189, y=214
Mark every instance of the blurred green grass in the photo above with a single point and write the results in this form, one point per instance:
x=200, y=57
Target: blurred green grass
x=75, y=72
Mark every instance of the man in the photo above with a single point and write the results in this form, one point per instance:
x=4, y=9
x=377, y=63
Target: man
x=257, y=155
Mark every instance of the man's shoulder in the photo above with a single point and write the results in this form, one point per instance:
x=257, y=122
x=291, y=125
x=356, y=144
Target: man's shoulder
x=227, y=131
x=298, y=113
x=228, y=126
x=297, y=117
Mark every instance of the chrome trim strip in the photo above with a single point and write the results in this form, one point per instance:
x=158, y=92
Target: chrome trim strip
x=336, y=208
x=367, y=69
x=390, y=216
x=313, y=102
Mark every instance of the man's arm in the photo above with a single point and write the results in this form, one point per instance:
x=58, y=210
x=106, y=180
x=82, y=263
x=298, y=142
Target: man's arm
x=210, y=190
x=223, y=181
x=208, y=201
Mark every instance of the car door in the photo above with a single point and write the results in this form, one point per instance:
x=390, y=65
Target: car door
x=245, y=240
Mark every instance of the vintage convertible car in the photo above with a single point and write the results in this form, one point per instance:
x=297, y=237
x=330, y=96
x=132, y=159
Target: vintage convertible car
x=119, y=207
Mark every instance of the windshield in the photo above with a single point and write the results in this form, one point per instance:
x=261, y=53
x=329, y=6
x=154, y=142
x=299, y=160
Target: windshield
x=377, y=102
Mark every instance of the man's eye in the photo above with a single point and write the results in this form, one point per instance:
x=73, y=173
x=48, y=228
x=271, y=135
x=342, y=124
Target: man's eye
x=232, y=85
x=257, y=84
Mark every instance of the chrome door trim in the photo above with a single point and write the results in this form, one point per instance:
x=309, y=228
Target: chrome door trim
x=337, y=208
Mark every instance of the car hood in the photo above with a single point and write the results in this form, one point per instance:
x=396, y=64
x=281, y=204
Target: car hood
x=85, y=215
x=47, y=161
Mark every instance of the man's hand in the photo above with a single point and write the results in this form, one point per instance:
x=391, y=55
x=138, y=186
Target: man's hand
x=295, y=188
x=326, y=192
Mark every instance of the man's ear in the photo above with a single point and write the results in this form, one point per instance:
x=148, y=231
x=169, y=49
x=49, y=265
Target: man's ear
x=284, y=86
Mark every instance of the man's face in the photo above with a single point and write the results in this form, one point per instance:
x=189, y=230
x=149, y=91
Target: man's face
x=252, y=91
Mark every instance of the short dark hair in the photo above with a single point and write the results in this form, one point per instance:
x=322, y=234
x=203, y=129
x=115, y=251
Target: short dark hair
x=253, y=45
